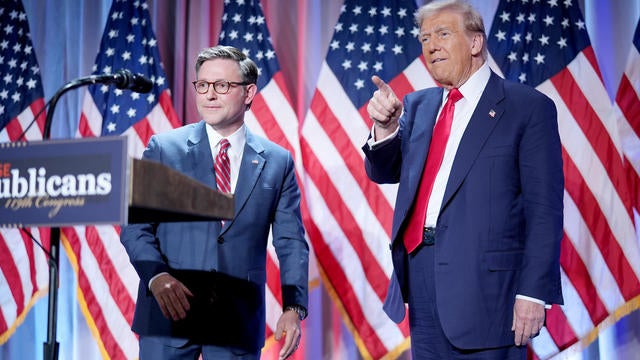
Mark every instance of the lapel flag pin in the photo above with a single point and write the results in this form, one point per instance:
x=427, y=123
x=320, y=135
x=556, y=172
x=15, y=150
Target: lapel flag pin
x=492, y=113
x=254, y=161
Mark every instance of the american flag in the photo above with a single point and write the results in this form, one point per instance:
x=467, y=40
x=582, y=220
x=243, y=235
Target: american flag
x=352, y=215
x=23, y=265
x=107, y=282
x=21, y=94
x=627, y=113
x=546, y=45
x=271, y=115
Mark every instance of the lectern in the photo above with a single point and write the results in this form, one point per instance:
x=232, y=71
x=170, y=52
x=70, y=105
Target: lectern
x=93, y=181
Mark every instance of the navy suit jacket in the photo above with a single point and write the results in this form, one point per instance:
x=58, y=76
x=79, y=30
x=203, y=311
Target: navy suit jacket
x=499, y=228
x=266, y=198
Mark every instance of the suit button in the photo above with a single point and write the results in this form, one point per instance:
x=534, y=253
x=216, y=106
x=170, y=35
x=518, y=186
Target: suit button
x=220, y=240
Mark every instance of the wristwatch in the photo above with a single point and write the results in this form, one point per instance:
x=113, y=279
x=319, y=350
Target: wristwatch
x=299, y=309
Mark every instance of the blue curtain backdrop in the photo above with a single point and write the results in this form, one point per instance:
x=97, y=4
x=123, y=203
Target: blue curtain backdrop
x=66, y=36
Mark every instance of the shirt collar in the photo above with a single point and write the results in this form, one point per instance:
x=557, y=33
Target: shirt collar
x=472, y=89
x=237, y=139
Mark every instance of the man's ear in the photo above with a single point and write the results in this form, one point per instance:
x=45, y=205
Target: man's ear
x=476, y=44
x=251, y=91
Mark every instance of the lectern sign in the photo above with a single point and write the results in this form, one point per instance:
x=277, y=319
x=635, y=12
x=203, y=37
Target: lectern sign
x=63, y=182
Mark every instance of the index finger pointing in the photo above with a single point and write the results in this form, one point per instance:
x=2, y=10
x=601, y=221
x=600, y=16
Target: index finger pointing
x=382, y=86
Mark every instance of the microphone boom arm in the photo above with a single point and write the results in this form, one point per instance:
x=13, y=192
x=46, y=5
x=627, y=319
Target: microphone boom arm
x=123, y=79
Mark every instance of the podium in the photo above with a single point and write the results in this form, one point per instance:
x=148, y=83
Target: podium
x=93, y=181
x=176, y=198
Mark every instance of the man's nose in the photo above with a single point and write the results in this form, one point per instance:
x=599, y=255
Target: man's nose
x=211, y=93
x=433, y=45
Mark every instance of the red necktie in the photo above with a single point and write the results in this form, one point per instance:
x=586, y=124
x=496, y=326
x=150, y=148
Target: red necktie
x=223, y=169
x=415, y=228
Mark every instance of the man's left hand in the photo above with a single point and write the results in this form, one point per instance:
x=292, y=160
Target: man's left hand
x=288, y=327
x=528, y=318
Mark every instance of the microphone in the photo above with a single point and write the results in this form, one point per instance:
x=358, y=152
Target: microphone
x=125, y=80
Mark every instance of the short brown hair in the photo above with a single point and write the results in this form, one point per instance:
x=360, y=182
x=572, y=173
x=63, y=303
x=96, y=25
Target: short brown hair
x=248, y=68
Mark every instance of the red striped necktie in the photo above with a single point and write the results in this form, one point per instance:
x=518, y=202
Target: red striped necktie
x=415, y=228
x=223, y=168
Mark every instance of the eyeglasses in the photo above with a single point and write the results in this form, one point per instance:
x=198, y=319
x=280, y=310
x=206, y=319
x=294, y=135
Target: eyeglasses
x=219, y=86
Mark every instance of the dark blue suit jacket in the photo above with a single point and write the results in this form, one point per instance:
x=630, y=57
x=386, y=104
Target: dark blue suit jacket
x=500, y=225
x=266, y=197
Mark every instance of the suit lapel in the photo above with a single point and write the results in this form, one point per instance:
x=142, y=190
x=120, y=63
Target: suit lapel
x=252, y=164
x=424, y=120
x=199, y=151
x=422, y=110
x=484, y=119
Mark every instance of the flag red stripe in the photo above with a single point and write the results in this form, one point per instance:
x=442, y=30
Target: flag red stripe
x=37, y=108
x=117, y=288
x=634, y=182
x=167, y=108
x=590, y=55
x=12, y=275
x=143, y=129
x=599, y=227
x=274, y=284
x=14, y=129
x=106, y=337
x=401, y=85
x=353, y=234
x=578, y=274
x=93, y=306
x=28, y=246
x=594, y=130
x=629, y=103
x=268, y=122
x=83, y=126
x=353, y=161
x=559, y=329
x=343, y=287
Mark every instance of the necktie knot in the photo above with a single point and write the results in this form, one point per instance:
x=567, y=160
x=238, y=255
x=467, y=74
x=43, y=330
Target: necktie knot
x=224, y=145
x=455, y=95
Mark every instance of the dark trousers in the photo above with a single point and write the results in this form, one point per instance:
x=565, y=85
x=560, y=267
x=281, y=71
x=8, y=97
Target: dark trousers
x=428, y=340
x=152, y=348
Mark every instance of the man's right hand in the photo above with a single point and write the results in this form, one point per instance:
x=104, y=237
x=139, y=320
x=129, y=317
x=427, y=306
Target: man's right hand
x=172, y=296
x=384, y=108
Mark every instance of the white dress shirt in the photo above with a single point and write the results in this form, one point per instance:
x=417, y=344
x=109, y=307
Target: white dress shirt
x=471, y=91
x=235, y=151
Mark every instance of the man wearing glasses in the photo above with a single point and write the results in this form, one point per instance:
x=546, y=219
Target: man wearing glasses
x=202, y=283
